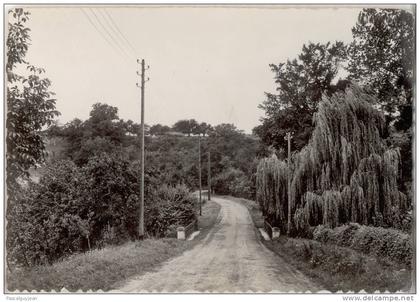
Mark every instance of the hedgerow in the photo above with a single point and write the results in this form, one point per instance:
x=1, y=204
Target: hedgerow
x=381, y=242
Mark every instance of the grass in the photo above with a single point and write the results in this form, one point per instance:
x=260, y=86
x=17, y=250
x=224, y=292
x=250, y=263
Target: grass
x=107, y=268
x=341, y=269
x=332, y=267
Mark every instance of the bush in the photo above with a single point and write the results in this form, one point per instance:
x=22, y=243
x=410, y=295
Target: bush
x=377, y=241
x=168, y=208
x=341, y=268
x=75, y=209
x=232, y=182
x=48, y=220
x=339, y=260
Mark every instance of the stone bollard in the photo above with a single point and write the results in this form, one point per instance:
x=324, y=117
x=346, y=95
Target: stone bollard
x=276, y=232
x=180, y=233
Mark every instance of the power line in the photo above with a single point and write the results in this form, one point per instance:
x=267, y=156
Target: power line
x=107, y=32
x=117, y=35
x=100, y=32
x=122, y=35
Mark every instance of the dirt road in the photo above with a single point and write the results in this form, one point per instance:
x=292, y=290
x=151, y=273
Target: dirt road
x=230, y=259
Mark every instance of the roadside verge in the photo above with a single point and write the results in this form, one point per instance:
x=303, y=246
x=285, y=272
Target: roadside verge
x=105, y=269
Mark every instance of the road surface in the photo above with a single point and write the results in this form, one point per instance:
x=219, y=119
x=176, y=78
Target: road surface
x=230, y=259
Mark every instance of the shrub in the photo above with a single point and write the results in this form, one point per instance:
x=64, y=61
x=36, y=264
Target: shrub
x=341, y=268
x=48, y=220
x=232, y=182
x=169, y=207
x=377, y=241
x=74, y=209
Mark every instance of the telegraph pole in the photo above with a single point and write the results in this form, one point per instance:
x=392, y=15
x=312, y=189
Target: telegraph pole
x=199, y=168
x=141, y=218
x=208, y=176
x=288, y=137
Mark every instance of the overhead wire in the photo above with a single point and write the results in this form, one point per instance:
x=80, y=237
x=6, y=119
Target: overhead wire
x=109, y=34
x=114, y=32
x=120, y=32
x=103, y=35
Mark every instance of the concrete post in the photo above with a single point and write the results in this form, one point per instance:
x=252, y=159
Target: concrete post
x=276, y=232
x=180, y=233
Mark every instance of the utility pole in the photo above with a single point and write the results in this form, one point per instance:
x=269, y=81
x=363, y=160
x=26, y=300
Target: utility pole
x=208, y=176
x=199, y=168
x=141, y=218
x=288, y=137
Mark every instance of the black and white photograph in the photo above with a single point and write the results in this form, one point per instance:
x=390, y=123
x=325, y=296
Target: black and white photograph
x=209, y=149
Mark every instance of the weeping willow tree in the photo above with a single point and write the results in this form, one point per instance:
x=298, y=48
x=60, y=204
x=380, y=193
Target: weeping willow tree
x=272, y=189
x=344, y=174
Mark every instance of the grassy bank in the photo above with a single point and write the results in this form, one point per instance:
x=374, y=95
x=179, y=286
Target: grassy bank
x=335, y=268
x=107, y=268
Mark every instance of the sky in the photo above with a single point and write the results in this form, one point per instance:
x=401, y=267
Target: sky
x=206, y=63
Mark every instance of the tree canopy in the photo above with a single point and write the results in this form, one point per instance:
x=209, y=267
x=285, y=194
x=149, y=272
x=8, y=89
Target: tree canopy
x=381, y=58
x=30, y=106
x=300, y=84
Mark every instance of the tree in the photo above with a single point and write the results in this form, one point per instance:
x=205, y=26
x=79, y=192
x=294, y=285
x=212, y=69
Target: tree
x=346, y=173
x=300, y=86
x=203, y=129
x=382, y=58
x=186, y=126
x=104, y=122
x=102, y=132
x=29, y=103
x=159, y=129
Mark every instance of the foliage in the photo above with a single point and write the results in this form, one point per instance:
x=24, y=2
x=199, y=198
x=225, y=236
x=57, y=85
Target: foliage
x=46, y=220
x=347, y=161
x=300, y=86
x=272, y=190
x=74, y=209
x=115, y=263
x=159, y=129
x=382, y=58
x=186, y=126
x=231, y=150
x=176, y=158
x=172, y=157
x=102, y=132
x=29, y=108
x=232, y=182
x=29, y=104
x=169, y=206
x=380, y=242
x=339, y=268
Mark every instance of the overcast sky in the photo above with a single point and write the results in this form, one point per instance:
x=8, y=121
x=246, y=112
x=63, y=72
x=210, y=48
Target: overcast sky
x=206, y=63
